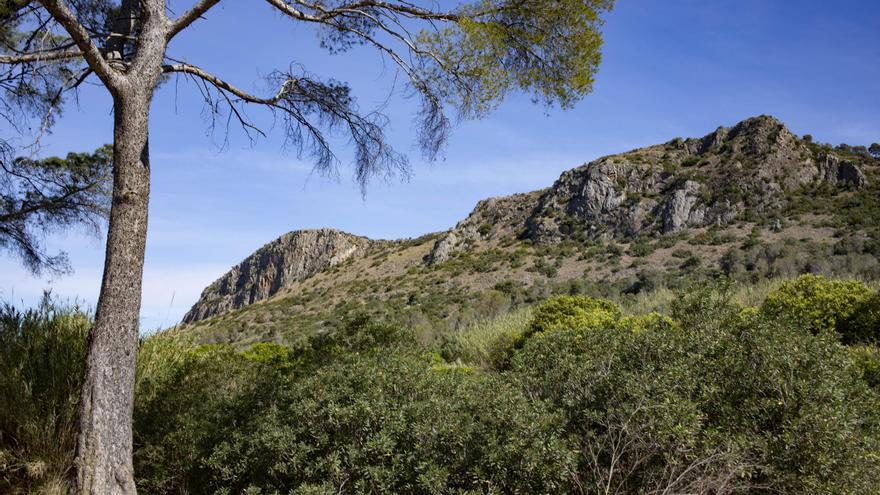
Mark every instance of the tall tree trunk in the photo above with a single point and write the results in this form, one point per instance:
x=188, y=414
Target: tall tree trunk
x=104, y=445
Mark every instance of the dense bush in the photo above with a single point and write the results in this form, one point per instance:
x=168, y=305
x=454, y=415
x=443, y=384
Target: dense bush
x=727, y=402
x=487, y=343
x=565, y=312
x=378, y=418
x=847, y=306
x=711, y=398
x=42, y=355
x=863, y=325
x=391, y=424
x=867, y=360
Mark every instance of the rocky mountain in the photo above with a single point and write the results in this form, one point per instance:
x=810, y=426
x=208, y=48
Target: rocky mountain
x=685, y=183
x=291, y=258
x=752, y=200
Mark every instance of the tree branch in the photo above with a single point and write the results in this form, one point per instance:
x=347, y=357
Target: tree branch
x=190, y=16
x=325, y=14
x=62, y=13
x=183, y=67
x=41, y=56
x=309, y=108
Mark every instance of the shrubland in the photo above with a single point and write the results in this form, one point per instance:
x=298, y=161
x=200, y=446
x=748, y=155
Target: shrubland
x=726, y=389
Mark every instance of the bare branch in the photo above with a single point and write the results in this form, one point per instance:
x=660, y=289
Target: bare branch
x=190, y=16
x=42, y=56
x=308, y=108
x=324, y=14
x=186, y=68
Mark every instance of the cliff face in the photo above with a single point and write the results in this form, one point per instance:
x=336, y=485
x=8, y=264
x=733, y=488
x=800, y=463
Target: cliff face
x=291, y=258
x=684, y=183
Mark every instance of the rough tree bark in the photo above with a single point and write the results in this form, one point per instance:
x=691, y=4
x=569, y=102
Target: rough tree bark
x=104, y=445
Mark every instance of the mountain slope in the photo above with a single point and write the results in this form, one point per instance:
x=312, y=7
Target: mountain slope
x=749, y=201
x=293, y=257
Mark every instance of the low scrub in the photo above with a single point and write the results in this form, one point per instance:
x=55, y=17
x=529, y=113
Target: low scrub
x=571, y=396
x=42, y=354
x=848, y=307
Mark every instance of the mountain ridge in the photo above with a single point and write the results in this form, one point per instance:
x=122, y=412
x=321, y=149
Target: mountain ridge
x=733, y=180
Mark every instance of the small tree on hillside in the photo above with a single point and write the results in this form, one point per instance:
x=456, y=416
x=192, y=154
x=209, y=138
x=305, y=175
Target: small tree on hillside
x=465, y=59
x=874, y=150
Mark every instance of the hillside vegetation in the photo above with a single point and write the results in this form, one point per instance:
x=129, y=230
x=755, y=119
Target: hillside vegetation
x=750, y=203
x=773, y=388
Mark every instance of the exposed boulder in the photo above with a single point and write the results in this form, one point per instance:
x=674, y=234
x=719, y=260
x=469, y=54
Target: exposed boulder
x=449, y=244
x=843, y=172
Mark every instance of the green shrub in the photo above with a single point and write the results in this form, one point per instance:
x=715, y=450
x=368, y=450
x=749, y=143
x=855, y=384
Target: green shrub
x=42, y=357
x=863, y=325
x=567, y=312
x=725, y=402
x=713, y=398
x=640, y=249
x=487, y=343
x=682, y=253
x=642, y=323
x=389, y=421
x=821, y=304
x=867, y=361
x=180, y=413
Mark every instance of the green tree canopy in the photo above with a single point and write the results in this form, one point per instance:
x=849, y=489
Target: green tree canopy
x=38, y=197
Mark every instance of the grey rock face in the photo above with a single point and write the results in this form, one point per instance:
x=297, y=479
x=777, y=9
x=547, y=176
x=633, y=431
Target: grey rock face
x=837, y=171
x=685, y=183
x=293, y=257
x=493, y=217
x=681, y=209
x=447, y=245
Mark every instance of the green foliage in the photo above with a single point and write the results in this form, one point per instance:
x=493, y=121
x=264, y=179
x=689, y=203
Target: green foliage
x=386, y=420
x=550, y=49
x=646, y=322
x=567, y=397
x=42, y=355
x=723, y=397
x=823, y=305
x=640, y=249
x=867, y=361
x=568, y=312
x=487, y=343
x=712, y=237
x=39, y=197
x=863, y=325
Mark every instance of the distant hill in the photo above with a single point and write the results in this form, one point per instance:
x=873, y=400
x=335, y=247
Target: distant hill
x=748, y=202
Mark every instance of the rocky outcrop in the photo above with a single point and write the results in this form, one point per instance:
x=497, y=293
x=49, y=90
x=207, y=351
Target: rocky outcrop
x=291, y=258
x=491, y=218
x=745, y=172
x=685, y=183
x=682, y=210
x=842, y=172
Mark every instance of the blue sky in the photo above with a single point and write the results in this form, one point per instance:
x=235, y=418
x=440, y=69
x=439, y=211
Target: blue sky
x=671, y=68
